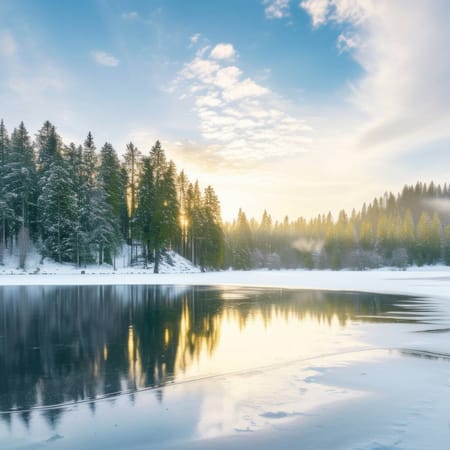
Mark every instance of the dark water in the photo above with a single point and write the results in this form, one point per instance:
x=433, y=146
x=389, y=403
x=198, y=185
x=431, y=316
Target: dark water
x=149, y=367
x=61, y=345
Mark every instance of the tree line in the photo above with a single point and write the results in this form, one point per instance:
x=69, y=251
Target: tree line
x=77, y=205
x=412, y=227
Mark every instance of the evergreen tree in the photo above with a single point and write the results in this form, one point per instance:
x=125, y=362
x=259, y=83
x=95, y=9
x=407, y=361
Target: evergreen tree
x=58, y=212
x=434, y=245
x=92, y=206
x=112, y=180
x=408, y=235
x=182, y=185
x=243, y=244
x=366, y=237
x=104, y=234
x=194, y=214
x=265, y=233
x=132, y=165
x=212, y=251
x=20, y=188
x=5, y=211
x=133, y=161
x=20, y=177
x=447, y=245
x=165, y=206
x=48, y=144
x=422, y=240
x=144, y=212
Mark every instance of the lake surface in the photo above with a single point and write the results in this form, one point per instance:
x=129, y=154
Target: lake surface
x=177, y=365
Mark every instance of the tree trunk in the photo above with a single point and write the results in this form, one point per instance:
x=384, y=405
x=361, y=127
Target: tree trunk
x=157, y=255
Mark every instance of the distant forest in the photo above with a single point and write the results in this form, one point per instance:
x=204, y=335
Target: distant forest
x=76, y=204
x=412, y=227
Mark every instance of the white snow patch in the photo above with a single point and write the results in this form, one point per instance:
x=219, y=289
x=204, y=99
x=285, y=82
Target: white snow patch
x=171, y=262
x=424, y=281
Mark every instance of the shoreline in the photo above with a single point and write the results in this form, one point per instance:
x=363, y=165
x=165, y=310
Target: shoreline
x=427, y=281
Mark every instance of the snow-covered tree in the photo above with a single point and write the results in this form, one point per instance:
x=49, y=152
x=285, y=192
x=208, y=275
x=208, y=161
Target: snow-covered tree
x=5, y=211
x=58, y=208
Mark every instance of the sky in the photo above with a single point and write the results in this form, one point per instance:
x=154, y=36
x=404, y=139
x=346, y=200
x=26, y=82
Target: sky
x=298, y=107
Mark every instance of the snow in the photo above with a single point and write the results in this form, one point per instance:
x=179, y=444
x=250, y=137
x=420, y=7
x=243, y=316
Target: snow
x=423, y=281
x=171, y=262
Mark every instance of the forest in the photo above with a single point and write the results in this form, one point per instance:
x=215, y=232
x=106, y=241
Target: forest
x=78, y=205
x=412, y=227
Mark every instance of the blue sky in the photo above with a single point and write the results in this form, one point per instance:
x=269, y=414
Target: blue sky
x=299, y=107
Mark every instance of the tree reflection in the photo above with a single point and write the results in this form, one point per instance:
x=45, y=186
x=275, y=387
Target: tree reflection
x=68, y=344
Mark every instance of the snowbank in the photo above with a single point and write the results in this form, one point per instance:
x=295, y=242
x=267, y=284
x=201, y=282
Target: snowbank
x=429, y=281
x=171, y=262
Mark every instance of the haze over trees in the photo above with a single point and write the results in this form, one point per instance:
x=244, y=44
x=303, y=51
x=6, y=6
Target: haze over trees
x=410, y=228
x=77, y=204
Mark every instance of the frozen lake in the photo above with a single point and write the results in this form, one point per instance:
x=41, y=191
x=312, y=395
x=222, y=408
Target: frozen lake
x=138, y=366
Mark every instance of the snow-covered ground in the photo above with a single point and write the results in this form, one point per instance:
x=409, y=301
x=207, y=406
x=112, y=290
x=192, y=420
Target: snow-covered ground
x=425, y=281
x=176, y=270
x=171, y=262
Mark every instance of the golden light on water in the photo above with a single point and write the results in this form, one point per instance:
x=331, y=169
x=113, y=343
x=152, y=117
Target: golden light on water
x=135, y=374
x=235, y=330
x=166, y=336
x=234, y=341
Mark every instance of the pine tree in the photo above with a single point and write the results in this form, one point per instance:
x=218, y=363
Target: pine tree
x=5, y=210
x=366, y=237
x=435, y=231
x=171, y=210
x=20, y=188
x=144, y=212
x=48, y=144
x=243, y=243
x=112, y=179
x=447, y=245
x=422, y=240
x=212, y=252
x=133, y=161
x=91, y=204
x=408, y=235
x=194, y=213
x=165, y=209
x=104, y=233
x=265, y=233
x=58, y=212
x=182, y=185
x=20, y=179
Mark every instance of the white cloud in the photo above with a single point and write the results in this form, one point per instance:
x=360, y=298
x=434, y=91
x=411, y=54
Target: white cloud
x=339, y=11
x=194, y=38
x=403, y=96
x=244, y=89
x=346, y=42
x=317, y=9
x=276, y=9
x=130, y=15
x=104, y=59
x=239, y=119
x=222, y=51
x=8, y=45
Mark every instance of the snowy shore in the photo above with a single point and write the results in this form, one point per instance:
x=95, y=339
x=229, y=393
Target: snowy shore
x=425, y=281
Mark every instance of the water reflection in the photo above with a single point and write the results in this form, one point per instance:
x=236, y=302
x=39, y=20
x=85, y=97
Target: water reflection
x=70, y=344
